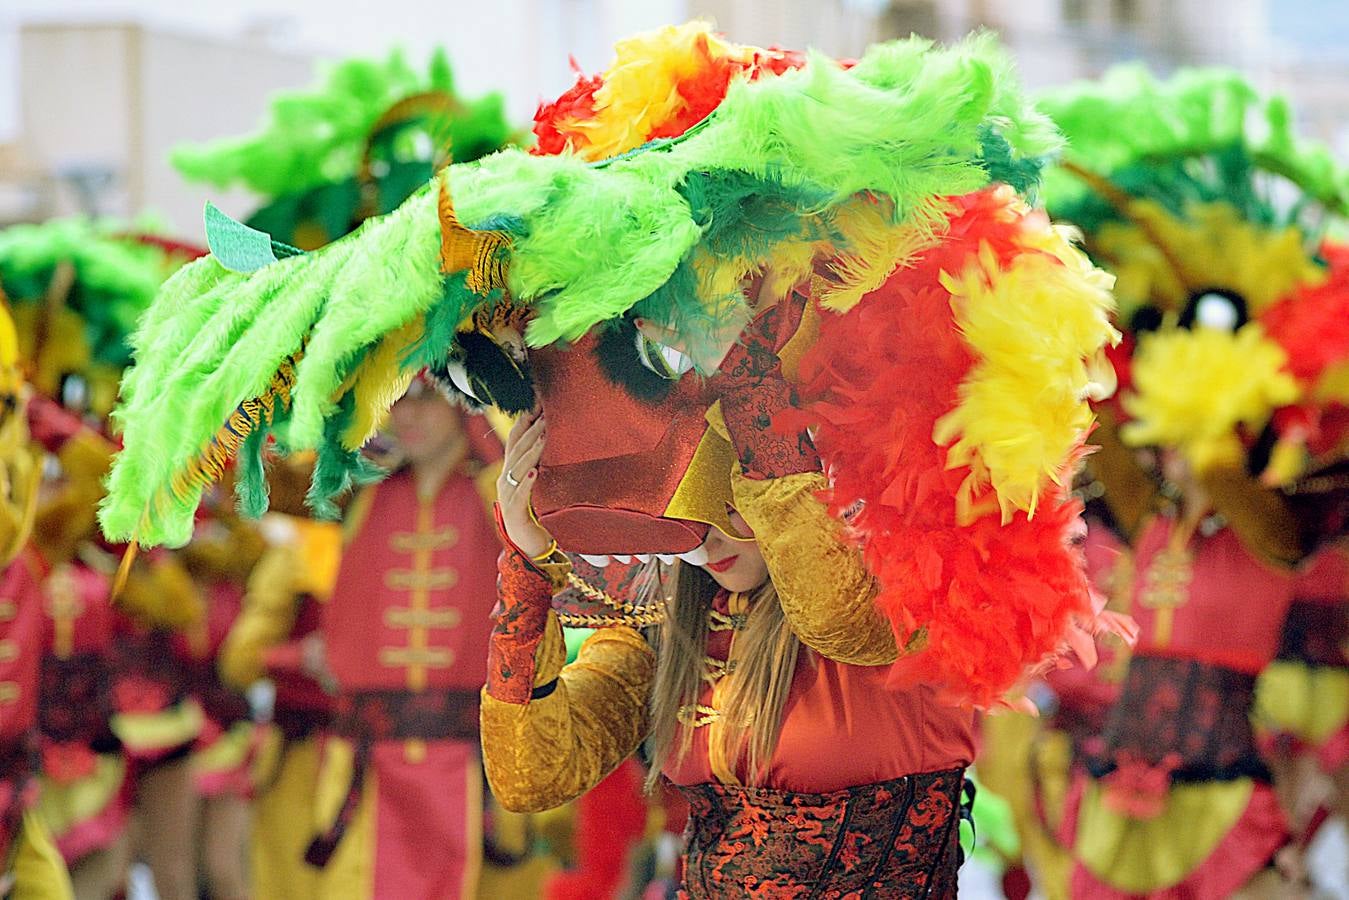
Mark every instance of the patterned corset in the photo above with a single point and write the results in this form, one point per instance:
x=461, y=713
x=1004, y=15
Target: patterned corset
x=1315, y=634
x=894, y=839
x=1187, y=719
x=401, y=715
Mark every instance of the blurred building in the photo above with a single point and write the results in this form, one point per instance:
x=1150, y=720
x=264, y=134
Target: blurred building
x=101, y=104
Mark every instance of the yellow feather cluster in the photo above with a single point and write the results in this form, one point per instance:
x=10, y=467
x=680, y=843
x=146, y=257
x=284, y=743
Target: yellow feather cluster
x=640, y=89
x=379, y=381
x=1214, y=246
x=877, y=246
x=877, y=242
x=1192, y=388
x=1037, y=329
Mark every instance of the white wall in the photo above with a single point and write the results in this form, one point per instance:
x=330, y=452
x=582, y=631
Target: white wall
x=116, y=97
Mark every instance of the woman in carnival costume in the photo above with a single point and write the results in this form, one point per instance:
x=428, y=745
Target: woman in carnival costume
x=115, y=679
x=1197, y=195
x=860, y=228
x=326, y=160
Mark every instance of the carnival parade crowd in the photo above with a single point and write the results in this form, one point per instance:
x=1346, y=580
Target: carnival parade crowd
x=764, y=476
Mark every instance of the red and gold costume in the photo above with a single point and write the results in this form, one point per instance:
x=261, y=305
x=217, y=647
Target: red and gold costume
x=106, y=710
x=30, y=864
x=85, y=796
x=1218, y=457
x=1179, y=738
x=405, y=636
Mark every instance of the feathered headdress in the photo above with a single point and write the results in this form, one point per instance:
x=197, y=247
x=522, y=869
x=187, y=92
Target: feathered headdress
x=1198, y=195
x=76, y=289
x=353, y=146
x=943, y=362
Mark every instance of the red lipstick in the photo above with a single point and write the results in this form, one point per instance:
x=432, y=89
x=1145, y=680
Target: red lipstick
x=723, y=565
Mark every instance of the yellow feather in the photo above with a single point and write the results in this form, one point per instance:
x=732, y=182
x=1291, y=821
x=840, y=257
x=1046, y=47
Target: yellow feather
x=1192, y=388
x=640, y=89
x=1036, y=329
x=1215, y=247
x=379, y=381
x=878, y=244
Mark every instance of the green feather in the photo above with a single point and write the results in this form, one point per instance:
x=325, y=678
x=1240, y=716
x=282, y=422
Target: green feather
x=318, y=136
x=1129, y=121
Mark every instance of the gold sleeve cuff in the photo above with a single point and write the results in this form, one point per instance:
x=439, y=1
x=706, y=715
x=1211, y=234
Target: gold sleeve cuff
x=551, y=654
x=1258, y=515
x=555, y=566
x=544, y=753
x=824, y=587
x=161, y=593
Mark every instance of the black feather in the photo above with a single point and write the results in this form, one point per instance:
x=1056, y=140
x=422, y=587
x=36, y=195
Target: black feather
x=616, y=353
x=495, y=377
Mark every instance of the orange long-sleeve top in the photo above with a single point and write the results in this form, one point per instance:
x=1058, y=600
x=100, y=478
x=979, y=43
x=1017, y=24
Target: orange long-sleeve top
x=887, y=732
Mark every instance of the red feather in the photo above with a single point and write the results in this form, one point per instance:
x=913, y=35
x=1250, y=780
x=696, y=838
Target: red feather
x=1312, y=323
x=551, y=120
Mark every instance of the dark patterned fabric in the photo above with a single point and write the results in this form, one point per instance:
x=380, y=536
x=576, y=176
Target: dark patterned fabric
x=296, y=724
x=404, y=715
x=1188, y=718
x=75, y=704
x=1084, y=726
x=18, y=792
x=520, y=618
x=369, y=716
x=895, y=839
x=1315, y=634
x=222, y=704
x=151, y=673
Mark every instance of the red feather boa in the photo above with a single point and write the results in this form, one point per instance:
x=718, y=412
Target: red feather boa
x=978, y=605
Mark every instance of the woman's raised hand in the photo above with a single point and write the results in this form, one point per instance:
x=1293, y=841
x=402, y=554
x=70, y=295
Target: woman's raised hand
x=515, y=485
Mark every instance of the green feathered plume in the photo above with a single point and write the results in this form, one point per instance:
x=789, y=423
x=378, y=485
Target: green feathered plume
x=356, y=144
x=773, y=166
x=115, y=277
x=1200, y=135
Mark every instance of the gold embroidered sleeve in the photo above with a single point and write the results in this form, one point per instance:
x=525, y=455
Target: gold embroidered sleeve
x=825, y=589
x=159, y=592
x=550, y=750
x=1260, y=516
x=267, y=617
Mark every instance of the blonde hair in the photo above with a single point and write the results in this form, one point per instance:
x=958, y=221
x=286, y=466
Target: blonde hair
x=765, y=652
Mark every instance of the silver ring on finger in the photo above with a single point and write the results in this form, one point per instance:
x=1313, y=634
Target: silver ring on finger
x=511, y=479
